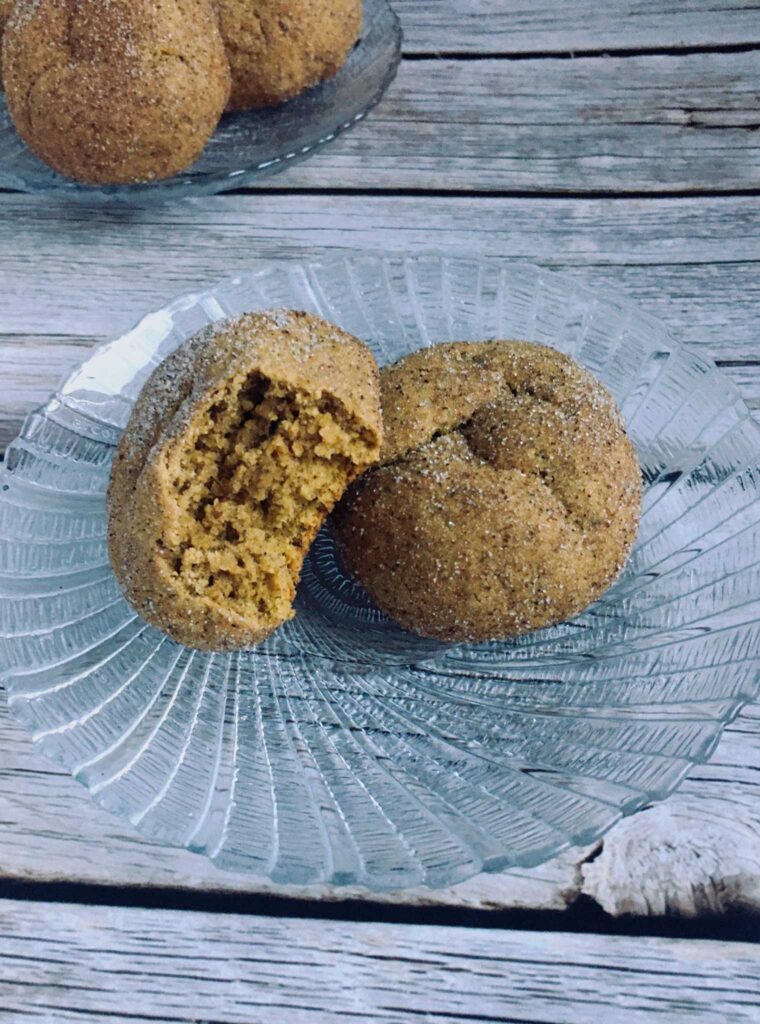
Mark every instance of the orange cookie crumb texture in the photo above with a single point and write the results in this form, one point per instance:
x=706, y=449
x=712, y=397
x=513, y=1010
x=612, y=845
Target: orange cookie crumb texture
x=6, y=6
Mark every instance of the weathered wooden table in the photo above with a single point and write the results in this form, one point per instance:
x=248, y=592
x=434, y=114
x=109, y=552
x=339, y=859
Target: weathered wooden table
x=619, y=142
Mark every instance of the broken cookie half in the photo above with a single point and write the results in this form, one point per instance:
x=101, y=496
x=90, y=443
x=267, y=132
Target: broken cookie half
x=238, y=447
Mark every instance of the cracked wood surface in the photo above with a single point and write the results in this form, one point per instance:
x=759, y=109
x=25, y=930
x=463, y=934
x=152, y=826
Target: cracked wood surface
x=652, y=123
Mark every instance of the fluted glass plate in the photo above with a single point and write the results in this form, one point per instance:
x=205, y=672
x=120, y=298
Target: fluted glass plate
x=247, y=145
x=344, y=749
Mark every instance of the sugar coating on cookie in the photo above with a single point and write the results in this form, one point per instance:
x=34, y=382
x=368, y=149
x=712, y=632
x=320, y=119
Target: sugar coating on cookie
x=6, y=7
x=115, y=91
x=278, y=48
x=507, y=496
x=238, y=446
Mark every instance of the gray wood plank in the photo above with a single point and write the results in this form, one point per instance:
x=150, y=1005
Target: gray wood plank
x=747, y=379
x=80, y=963
x=693, y=262
x=696, y=853
x=652, y=124
x=707, y=248
x=517, y=26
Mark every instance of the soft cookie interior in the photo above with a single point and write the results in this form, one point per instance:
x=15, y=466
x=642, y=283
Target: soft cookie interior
x=250, y=482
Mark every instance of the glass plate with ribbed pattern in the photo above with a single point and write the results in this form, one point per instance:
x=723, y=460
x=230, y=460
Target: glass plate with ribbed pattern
x=343, y=749
x=247, y=145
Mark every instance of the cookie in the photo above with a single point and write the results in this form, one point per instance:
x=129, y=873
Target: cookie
x=238, y=446
x=118, y=92
x=507, y=495
x=6, y=7
x=278, y=48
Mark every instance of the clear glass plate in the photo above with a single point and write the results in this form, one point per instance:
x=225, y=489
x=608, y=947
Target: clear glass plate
x=343, y=749
x=246, y=146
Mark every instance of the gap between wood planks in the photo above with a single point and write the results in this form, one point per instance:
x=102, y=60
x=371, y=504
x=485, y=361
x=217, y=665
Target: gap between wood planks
x=583, y=917
x=383, y=192
x=669, y=50
x=455, y=193
x=557, y=27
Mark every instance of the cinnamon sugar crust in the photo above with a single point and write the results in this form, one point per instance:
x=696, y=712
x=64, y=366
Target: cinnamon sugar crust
x=507, y=496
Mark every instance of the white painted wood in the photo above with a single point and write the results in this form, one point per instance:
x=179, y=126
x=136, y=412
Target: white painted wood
x=79, y=963
x=30, y=369
x=651, y=124
x=747, y=379
x=68, y=271
x=517, y=26
x=698, y=851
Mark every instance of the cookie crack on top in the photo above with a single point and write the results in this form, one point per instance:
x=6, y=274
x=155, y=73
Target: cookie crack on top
x=574, y=520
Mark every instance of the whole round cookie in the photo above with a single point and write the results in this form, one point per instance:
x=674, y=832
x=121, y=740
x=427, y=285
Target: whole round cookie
x=278, y=48
x=507, y=497
x=238, y=446
x=118, y=92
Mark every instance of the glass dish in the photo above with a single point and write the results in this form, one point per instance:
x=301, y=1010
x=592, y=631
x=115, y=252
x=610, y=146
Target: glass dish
x=246, y=146
x=343, y=749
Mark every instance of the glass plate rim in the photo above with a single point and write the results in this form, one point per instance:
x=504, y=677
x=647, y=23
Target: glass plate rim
x=186, y=299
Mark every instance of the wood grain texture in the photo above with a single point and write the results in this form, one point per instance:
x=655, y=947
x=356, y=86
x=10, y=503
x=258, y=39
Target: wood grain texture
x=747, y=379
x=696, y=853
x=517, y=26
x=651, y=123
x=699, y=851
x=80, y=963
x=692, y=262
x=697, y=257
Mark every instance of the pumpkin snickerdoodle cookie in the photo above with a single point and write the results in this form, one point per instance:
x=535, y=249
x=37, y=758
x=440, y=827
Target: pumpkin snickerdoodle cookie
x=278, y=48
x=238, y=446
x=507, y=496
x=115, y=91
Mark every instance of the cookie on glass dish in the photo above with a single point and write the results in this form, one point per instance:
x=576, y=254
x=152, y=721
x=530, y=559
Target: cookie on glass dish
x=506, y=498
x=279, y=48
x=239, y=445
x=115, y=93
